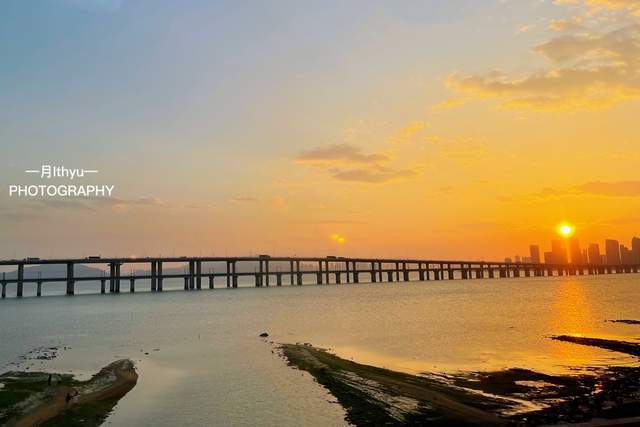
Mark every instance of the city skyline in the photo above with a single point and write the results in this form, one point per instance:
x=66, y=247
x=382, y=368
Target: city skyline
x=568, y=251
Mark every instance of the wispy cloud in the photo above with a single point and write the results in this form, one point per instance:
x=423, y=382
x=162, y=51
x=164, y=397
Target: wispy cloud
x=244, y=199
x=344, y=153
x=587, y=69
x=589, y=189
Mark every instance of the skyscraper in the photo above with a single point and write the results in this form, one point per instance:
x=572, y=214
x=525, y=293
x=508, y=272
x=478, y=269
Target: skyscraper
x=626, y=255
x=594, y=254
x=558, y=251
x=534, y=250
x=635, y=248
x=574, y=251
x=612, y=251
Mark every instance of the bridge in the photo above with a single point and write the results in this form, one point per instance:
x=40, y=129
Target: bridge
x=290, y=271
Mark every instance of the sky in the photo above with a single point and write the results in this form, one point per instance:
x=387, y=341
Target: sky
x=433, y=129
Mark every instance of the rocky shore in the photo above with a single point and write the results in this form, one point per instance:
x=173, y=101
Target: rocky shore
x=41, y=398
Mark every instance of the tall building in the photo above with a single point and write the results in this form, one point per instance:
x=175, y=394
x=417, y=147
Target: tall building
x=534, y=251
x=594, y=254
x=558, y=251
x=548, y=258
x=635, y=248
x=626, y=255
x=574, y=251
x=612, y=251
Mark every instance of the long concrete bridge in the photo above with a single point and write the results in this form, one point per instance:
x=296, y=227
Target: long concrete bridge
x=323, y=270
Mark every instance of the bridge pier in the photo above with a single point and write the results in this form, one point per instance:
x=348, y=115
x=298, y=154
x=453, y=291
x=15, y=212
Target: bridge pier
x=70, y=280
x=299, y=273
x=192, y=277
x=356, y=274
x=39, y=288
x=154, y=273
x=20, y=282
x=199, y=275
x=266, y=269
x=389, y=276
x=338, y=277
x=229, y=274
x=235, y=274
x=291, y=273
x=319, y=274
x=405, y=272
x=159, y=276
x=132, y=284
x=278, y=279
x=186, y=283
x=102, y=284
x=4, y=286
x=211, y=280
x=374, y=277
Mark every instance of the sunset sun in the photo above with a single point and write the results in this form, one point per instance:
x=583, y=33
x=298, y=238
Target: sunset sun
x=565, y=229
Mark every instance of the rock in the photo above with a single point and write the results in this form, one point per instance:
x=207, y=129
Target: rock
x=264, y=335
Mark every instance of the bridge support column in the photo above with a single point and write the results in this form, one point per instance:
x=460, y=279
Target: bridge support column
x=211, y=280
x=153, y=276
x=319, y=274
x=503, y=273
x=338, y=277
x=70, y=280
x=112, y=277
x=356, y=273
x=235, y=274
x=278, y=279
x=132, y=285
x=420, y=272
x=186, y=283
x=199, y=274
x=405, y=272
x=39, y=288
x=299, y=273
x=102, y=285
x=266, y=269
x=291, y=275
x=192, y=275
x=389, y=276
x=374, y=278
x=464, y=272
x=20, y=282
x=159, y=276
x=491, y=273
x=4, y=286
x=228, y=274
x=118, y=277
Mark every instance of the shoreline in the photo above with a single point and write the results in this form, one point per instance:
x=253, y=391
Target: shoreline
x=30, y=399
x=374, y=395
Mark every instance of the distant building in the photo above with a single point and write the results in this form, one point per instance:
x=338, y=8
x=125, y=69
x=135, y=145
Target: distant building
x=635, y=248
x=518, y=260
x=526, y=260
x=626, y=255
x=574, y=251
x=534, y=251
x=508, y=260
x=612, y=251
x=548, y=257
x=559, y=252
x=585, y=256
x=594, y=254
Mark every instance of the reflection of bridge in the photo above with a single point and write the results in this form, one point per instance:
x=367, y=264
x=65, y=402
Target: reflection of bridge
x=322, y=270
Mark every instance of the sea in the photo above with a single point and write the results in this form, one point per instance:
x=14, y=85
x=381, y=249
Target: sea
x=201, y=361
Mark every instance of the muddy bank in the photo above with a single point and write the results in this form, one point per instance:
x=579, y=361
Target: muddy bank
x=376, y=396
x=39, y=398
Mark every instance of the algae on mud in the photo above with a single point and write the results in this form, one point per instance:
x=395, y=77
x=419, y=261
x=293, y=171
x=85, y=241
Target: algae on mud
x=41, y=398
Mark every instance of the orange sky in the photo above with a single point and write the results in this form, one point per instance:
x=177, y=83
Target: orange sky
x=466, y=135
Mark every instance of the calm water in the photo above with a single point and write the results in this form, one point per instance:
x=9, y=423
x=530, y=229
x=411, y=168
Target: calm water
x=211, y=367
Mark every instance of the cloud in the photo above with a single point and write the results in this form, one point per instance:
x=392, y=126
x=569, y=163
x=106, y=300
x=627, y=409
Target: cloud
x=612, y=189
x=449, y=103
x=344, y=153
x=243, y=199
x=589, y=189
x=561, y=25
x=630, y=6
x=374, y=175
x=525, y=29
x=347, y=162
x=408, y=132
x=585, y=71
